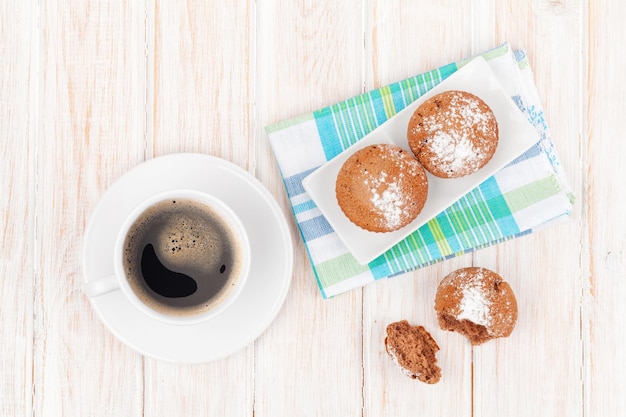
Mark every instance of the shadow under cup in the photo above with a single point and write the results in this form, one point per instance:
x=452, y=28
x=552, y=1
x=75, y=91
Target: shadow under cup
x=181, y=257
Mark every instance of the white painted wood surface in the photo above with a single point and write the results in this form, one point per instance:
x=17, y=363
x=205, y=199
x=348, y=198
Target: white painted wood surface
x=90, y=89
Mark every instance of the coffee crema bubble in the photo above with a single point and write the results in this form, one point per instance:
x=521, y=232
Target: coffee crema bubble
x=181, y=257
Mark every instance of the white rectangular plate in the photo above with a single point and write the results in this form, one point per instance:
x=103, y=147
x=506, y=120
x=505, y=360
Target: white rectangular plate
x=516, y=136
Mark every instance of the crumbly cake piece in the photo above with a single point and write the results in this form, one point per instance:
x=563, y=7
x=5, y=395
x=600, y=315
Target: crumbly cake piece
x=413, y=349
x=381, y=188
x=476, y=303
x=453, y=134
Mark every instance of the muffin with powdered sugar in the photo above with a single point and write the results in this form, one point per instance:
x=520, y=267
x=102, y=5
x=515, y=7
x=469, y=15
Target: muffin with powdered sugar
x=453, y=134
x=381, y=188
x=477, y=303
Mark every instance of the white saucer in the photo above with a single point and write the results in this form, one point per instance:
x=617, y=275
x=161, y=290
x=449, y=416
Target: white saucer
x=271, y=264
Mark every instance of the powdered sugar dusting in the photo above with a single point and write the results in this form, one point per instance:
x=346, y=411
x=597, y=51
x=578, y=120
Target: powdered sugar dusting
x=387, y=194
x=474, y=306
x=457, y=134
x=390, y=204
x=453, y=152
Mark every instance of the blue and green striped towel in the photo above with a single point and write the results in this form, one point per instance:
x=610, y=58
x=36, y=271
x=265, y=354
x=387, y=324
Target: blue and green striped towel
x=530, y=192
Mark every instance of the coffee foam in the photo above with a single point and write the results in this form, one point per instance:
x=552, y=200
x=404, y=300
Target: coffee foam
x=183, y=240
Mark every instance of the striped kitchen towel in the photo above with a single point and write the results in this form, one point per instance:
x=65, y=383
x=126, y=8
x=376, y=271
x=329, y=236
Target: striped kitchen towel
x=530, y=192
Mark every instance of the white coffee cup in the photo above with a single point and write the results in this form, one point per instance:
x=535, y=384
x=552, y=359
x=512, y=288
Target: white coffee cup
x=149, y=301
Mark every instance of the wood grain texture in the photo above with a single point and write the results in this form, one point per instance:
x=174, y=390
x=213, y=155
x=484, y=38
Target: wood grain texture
x=398, y=48
x=388, y=392
x=91, y=132
x=547, y=281
x=19, y=94
x=410, y=37
x=91, y=89
x=606, y=228
x=200, y=95
x=309, y=54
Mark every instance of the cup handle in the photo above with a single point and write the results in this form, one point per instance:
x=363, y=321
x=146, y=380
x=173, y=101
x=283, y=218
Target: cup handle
x=102, y=286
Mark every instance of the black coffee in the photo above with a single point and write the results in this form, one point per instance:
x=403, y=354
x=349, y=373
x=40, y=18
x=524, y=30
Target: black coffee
x=181, y=257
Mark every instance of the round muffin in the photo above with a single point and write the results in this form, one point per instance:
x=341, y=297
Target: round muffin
x=453, y=134
x=381, y=188
x=476, y=303
x=413, y=349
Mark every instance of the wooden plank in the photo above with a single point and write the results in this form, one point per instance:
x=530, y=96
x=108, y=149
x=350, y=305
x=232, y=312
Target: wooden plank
x=409, y=37
x=200, y=100
x=91, y=131
x=387, y=390
x=308, y=363
x=221, y=388
x=199, y=95
x=404, y=39
x=19, y=79
x=537, y=370
x=606, y=229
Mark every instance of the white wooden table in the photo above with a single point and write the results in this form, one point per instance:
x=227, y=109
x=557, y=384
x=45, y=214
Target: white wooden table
x=90, y=89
